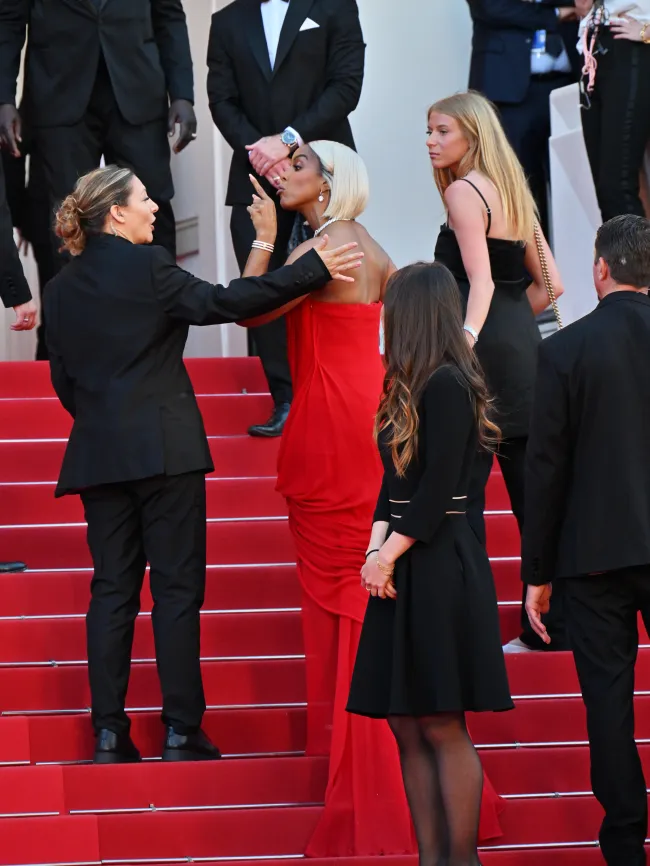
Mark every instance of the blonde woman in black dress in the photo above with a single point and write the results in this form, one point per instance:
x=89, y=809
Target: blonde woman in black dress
x=430, y=648
x=488, y=243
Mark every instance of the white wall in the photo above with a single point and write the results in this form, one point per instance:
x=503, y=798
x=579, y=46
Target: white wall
x=418, y=51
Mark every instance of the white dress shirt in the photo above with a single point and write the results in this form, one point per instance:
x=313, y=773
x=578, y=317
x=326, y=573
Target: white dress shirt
x=616, y=8
x=541, y=62
x=273, y=14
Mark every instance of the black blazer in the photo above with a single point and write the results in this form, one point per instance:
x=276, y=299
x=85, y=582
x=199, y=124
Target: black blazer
x=588, y=463
x=501, y=44
x=13, y=285
x=145, y=44
x=315, y=84
x=117, y=322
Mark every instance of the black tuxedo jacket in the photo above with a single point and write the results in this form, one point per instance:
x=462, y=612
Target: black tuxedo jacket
x=13, y=285
x=117, y=322
x=314, y=85
x=145, y=44
x=588, y=463
x=501, y=44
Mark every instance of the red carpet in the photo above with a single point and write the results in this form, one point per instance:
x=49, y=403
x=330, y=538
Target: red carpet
x=263, y=801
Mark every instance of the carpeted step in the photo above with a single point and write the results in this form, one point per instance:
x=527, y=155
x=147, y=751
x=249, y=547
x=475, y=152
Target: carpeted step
x=259, y=681
x=60, y=593
x=233, y=457
x=63, y=839
x=226, y=497
x=560, y=856
x=68, y=737
x=45, y=418
x=21, y=379
x=231, y=542
x=258, y=782
x=224, y=634
x=227, y=683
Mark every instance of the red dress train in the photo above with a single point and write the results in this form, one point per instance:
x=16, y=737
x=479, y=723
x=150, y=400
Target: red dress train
x=329, y=472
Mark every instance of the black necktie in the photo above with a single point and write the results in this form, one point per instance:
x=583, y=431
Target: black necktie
x=554, y=44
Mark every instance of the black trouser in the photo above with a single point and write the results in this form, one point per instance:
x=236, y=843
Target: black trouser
x=602, y=621
x=162, y=521
x=527, y=125
x=616, y=124
x=68, y=152
x=268, y=341
x=512, y=457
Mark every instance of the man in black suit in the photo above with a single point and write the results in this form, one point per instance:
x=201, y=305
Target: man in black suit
x=522, y=50
x=588, y=514
x=14, y=292
x=103, y=77
x=280, y=72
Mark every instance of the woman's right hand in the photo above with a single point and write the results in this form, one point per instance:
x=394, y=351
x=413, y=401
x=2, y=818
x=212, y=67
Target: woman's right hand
x=263, y=214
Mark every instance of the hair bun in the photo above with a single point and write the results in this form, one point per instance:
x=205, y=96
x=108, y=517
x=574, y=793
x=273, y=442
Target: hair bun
x=68, y=226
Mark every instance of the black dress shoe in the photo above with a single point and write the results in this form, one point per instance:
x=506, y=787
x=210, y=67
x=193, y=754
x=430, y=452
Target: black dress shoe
x=189, y=747
x=275, y=425
x=9, y=567
x=114, y=748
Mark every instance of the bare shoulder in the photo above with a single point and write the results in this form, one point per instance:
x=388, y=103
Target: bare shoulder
x=303, y=248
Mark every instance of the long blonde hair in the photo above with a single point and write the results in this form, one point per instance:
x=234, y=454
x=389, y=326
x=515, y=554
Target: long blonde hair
x=490, y=154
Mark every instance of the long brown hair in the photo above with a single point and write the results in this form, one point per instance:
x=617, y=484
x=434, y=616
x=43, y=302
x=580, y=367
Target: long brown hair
x=491, y=155
x=84, y=211
x=423, y=330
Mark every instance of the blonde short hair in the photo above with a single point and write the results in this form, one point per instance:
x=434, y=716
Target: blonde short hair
x=347, y=177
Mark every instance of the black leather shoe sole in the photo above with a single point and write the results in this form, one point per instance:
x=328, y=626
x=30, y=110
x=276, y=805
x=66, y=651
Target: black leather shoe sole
x=266, y=432
x=187, y=755
x=114, y=758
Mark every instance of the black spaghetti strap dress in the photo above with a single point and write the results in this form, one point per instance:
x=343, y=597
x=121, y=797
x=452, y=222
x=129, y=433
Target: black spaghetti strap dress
x=507, y=349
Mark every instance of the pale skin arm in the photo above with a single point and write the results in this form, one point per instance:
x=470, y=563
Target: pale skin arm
x=467, y=218
x=536, y=291
x=372, y=577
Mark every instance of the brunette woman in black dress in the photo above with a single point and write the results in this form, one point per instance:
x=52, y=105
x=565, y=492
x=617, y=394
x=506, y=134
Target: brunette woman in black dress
x=430, y=648
x=489, y=246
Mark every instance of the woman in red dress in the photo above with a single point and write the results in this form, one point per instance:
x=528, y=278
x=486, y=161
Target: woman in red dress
x=329, y=472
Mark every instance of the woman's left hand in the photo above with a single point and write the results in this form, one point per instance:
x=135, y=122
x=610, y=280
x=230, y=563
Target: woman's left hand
x=263, y=215
x=375, y=581
x=625, y=27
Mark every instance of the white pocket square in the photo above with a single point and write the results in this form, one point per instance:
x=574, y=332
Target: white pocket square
x=308, y=24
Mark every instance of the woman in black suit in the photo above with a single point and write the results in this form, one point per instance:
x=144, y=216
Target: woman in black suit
x=118, y=318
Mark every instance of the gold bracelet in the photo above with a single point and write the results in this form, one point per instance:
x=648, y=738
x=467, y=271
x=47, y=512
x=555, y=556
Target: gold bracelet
x=645, y=39
x=262, y=245
x=386, y=570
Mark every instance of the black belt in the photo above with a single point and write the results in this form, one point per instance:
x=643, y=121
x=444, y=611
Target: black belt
x=550, y=76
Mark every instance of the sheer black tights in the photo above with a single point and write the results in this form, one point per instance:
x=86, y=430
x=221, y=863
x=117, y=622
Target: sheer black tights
x=443, y=778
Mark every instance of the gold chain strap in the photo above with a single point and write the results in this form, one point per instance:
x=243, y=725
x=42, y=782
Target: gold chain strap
x=546, y=275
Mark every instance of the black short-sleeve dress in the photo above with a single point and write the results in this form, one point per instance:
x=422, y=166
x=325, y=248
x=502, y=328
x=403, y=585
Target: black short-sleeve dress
x=437, y=646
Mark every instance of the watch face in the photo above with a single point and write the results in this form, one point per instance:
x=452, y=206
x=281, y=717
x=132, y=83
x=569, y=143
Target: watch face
x=289, y=138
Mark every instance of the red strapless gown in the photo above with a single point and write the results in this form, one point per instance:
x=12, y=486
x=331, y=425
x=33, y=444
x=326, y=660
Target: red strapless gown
x=329, y=472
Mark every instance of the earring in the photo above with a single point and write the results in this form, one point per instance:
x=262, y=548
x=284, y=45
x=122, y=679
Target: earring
x=321, y=197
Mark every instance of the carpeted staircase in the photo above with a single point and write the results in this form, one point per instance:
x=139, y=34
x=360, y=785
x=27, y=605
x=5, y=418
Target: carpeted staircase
x=264, y=799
